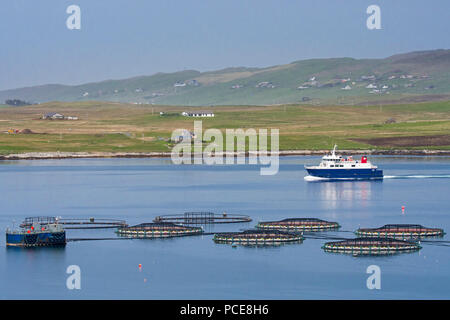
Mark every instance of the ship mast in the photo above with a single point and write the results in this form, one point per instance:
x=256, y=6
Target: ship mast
x=333, y=153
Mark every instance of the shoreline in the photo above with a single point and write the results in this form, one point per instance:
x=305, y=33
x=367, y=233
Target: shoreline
x=87, y=155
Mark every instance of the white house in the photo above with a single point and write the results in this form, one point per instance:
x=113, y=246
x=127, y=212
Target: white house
x=53, y=115
x=58, y=116
x=203, y=114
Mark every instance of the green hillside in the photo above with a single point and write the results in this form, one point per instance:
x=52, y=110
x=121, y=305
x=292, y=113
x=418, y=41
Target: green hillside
x=416, y=76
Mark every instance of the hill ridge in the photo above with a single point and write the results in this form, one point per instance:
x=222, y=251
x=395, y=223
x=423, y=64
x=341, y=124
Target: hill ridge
x=321, y=80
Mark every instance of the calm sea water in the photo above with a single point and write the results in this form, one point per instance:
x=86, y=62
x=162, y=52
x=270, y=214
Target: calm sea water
x=195, y=267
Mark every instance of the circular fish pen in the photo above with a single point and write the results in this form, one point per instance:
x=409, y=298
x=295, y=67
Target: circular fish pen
x=400, y=231
x=371, y=246
x=158, y=230
x=189, y=218
x=258, y=237
x=299, y=224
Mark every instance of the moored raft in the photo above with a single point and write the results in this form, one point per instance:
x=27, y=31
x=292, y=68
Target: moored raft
x=158, y=230
x=400, y=231
x=298, y=224
x=371, y=246
x=258, y=237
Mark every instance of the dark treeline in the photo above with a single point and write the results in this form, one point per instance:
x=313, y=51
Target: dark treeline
x=17, y=102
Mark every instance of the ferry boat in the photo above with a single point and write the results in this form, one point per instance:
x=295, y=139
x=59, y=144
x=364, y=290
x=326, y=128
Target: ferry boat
x=337, y=167
x=37, y=232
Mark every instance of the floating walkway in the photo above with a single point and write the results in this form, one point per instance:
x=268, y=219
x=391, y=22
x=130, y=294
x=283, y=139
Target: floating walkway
x=77, y=223
x=299, y=224
x=400, y=231
x=258, y=237
x=371, y=246
x=189, y=218
x=158, y=230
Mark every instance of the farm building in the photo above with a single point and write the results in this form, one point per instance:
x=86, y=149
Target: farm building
x=203, y=114
x=53, y=115
x=58, y=116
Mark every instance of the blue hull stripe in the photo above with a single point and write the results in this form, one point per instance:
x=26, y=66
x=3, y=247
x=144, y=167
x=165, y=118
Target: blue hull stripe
x=36, y=239
x=346, y=173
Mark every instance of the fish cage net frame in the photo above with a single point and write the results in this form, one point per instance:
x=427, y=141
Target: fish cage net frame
x=302, y=224
x=158, y=230
x=258, y=236
x=402, y=231
x=371, y=246
x=189, y=218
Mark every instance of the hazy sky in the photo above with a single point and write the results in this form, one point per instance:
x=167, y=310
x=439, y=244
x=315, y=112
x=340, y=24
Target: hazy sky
x=124, y=38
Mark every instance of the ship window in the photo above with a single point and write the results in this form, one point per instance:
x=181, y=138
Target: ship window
x=332, y=166
x=353, y=165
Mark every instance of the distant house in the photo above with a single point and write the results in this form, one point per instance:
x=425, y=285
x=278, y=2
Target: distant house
x=179, y=84
x=203, y=114
x=58, y=116
x=186, y=136
x=53, y=116
x=371, y=86
x=372, y=77
x=265, y=84
x=193, y=82
x=347, y=87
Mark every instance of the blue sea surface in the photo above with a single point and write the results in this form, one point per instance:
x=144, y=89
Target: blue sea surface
x=195, y=267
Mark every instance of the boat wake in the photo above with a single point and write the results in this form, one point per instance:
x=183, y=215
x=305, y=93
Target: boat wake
x=442, y=176
x=437, y=176
x=312, y=178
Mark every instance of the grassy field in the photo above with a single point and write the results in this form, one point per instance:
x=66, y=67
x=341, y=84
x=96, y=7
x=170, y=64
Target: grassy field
x=116, y=127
